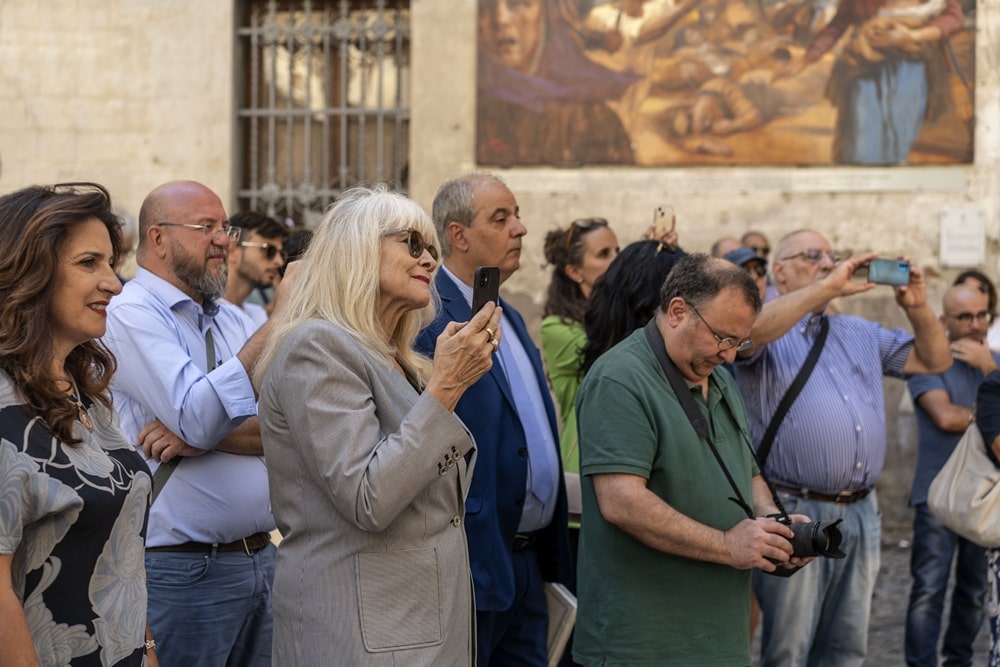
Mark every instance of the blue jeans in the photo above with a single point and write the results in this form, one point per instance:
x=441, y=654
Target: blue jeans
x=934, y=548
x=211, y=610
x=819, y=616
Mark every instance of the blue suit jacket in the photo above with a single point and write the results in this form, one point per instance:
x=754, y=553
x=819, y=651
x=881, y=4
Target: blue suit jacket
x=493, y=506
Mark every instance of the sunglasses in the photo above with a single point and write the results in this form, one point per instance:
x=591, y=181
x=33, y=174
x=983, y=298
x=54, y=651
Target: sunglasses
x=583, y=224
x=763, y=250
x=415, y=242
x=756, y=268
x=270, y=250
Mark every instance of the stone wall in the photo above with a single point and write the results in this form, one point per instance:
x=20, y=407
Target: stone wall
x=132, y=93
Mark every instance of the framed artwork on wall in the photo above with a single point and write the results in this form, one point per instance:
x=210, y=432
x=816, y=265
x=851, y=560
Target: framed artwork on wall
x=725, y=82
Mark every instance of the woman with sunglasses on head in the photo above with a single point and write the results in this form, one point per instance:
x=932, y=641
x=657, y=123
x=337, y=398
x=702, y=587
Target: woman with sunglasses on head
x=579, y=254
x=368, y=465
x=74, y=493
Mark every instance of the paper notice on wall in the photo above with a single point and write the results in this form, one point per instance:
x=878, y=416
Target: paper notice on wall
x=963, y=237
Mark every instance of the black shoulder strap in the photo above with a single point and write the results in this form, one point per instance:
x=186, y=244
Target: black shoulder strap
x=764, y=448
x=694, y=415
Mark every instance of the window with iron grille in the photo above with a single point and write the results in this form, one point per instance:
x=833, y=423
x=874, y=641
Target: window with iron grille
x=323, y=102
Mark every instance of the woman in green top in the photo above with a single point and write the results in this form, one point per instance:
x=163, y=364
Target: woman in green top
x=580, y=254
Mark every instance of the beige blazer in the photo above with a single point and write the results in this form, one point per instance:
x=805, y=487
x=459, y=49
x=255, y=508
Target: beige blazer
x=368, y=481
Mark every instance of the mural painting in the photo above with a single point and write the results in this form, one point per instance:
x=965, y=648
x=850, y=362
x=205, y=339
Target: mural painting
x=739, y=82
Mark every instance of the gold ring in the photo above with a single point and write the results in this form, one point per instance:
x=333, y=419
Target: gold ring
x=495, y=343
x=490, y=332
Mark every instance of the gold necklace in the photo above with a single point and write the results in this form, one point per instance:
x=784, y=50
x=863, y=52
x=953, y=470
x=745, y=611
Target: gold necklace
x=81, y=411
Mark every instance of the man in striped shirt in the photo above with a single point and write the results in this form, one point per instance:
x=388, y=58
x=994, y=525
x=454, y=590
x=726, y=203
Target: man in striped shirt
x=830, y=448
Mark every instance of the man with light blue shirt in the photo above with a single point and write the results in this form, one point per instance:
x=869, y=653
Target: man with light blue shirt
x=830, y=447
x=943, y=404
x=516, y=519
x=183, y=392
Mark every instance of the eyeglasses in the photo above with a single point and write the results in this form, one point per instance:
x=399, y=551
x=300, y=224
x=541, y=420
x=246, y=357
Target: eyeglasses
x=270, y=250
x=757, y=268
x=208, y=230
x=763, y=250
x=415, y=241
x=584, y=224
x=724, y=343
x=813, y=255
x=966, y=318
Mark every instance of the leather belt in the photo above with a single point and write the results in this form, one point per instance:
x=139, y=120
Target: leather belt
x=248, y=545
x=844, y=497
x=524, y=541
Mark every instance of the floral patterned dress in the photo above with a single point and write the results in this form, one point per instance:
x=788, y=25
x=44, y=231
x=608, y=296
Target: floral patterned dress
x=75, y=520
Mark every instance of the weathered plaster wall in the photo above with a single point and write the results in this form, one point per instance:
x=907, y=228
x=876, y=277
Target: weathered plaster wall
x=129, y=93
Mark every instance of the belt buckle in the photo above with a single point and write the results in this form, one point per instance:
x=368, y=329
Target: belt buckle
x=843, y=496
x=246, y=548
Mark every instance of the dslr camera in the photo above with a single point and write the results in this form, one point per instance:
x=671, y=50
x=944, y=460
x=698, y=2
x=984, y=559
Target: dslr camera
x=818, y=538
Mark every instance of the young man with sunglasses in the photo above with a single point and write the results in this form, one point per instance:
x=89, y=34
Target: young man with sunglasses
x=943, y=404
x=829, y=449
x=255, y=260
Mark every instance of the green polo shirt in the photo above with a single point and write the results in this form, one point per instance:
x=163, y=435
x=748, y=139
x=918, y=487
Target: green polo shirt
x=637, y=605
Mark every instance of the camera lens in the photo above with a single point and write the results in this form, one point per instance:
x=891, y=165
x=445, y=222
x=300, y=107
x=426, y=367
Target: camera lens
x=819, y=538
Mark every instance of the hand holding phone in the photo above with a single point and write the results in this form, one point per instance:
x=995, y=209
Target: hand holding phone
x=663, y=220
x=485, y=287
x=889, y=271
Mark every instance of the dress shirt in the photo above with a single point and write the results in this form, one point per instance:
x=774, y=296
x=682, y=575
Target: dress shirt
x=157, y=333
x=833, y=437
x=543, y=469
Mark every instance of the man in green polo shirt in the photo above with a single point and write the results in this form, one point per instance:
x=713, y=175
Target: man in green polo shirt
x=665, y=551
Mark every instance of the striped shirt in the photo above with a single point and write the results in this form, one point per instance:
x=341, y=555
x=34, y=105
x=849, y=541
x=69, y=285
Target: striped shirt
x=833, y=437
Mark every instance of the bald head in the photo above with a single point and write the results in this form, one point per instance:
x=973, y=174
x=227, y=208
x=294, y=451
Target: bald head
x=183, y=238
x=966, y=313
x=171, y=201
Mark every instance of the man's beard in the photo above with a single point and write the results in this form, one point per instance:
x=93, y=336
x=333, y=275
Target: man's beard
x=262, y=280
x=197, y=276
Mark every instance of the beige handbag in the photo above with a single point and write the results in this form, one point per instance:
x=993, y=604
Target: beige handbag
x=965, y=494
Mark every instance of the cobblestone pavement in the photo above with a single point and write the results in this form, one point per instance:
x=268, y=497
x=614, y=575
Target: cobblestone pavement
x=885, y=637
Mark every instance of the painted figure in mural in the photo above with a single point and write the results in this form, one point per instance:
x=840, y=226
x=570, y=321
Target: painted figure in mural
x=638, y=26
x=890, y=76
x=540, y=99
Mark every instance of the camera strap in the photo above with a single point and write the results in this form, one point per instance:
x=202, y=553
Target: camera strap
x=698, y=422
x=764, y=448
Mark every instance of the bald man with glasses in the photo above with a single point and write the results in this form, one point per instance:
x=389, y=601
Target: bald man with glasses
x=829, y=449
x=943, y=404
x=184, y=396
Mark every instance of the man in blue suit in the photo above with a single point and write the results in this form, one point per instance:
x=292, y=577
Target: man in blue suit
x=515, y=520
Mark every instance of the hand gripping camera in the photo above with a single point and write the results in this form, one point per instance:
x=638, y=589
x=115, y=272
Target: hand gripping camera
x=816, y=538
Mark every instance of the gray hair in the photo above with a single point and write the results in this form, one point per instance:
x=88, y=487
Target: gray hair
x=454, y=203
x=699, y=278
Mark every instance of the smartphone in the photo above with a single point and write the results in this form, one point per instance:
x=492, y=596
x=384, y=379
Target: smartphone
x=485, y=287
x=663, y=220
x=889, y=271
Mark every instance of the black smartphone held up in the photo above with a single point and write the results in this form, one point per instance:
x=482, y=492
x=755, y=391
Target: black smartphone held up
x=485, y=287
x=889, y=271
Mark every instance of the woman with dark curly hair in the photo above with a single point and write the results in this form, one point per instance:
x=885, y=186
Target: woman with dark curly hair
x=74, y=493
